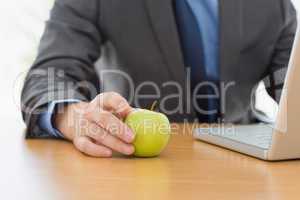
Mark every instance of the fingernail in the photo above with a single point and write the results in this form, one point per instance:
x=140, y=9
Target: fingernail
x=129, y=135
x=129, y=150
x=108, y=153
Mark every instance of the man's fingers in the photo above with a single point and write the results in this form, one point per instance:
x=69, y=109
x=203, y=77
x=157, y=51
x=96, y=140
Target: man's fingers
x=101, y=136
x=105, y=127
x=112, y=124
x=86, y=145
x=113, y=102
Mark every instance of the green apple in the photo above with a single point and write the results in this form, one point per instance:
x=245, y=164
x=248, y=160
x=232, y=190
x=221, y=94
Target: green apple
x=152, y=132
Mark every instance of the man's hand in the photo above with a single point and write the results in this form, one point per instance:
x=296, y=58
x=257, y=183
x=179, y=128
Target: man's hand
x=96, y=128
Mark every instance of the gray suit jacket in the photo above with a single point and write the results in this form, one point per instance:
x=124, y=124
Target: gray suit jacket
x=140, y=37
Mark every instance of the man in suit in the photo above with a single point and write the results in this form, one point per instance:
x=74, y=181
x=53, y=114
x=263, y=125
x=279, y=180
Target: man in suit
x=165, y=49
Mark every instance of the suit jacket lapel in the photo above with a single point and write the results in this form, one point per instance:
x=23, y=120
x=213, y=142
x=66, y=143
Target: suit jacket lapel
x=230, y=37
x=163, y=23
x=230, y=45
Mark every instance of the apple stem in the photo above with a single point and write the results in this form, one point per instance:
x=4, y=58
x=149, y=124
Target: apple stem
x=153, y=105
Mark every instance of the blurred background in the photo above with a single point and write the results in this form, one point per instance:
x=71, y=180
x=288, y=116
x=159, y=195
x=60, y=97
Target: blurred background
x=22, y=23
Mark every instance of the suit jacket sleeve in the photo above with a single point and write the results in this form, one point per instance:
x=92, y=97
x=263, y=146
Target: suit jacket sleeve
x=283, y=48
x=64, y=67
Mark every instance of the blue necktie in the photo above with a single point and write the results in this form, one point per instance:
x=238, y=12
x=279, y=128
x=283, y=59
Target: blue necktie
x=192, y=48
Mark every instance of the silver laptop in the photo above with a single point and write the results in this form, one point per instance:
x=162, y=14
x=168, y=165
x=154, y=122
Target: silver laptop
x=280, y=141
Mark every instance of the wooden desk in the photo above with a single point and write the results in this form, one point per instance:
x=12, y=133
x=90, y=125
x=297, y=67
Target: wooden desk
x=188, y=169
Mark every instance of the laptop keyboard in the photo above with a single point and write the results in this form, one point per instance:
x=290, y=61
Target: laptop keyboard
x=259, y=135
